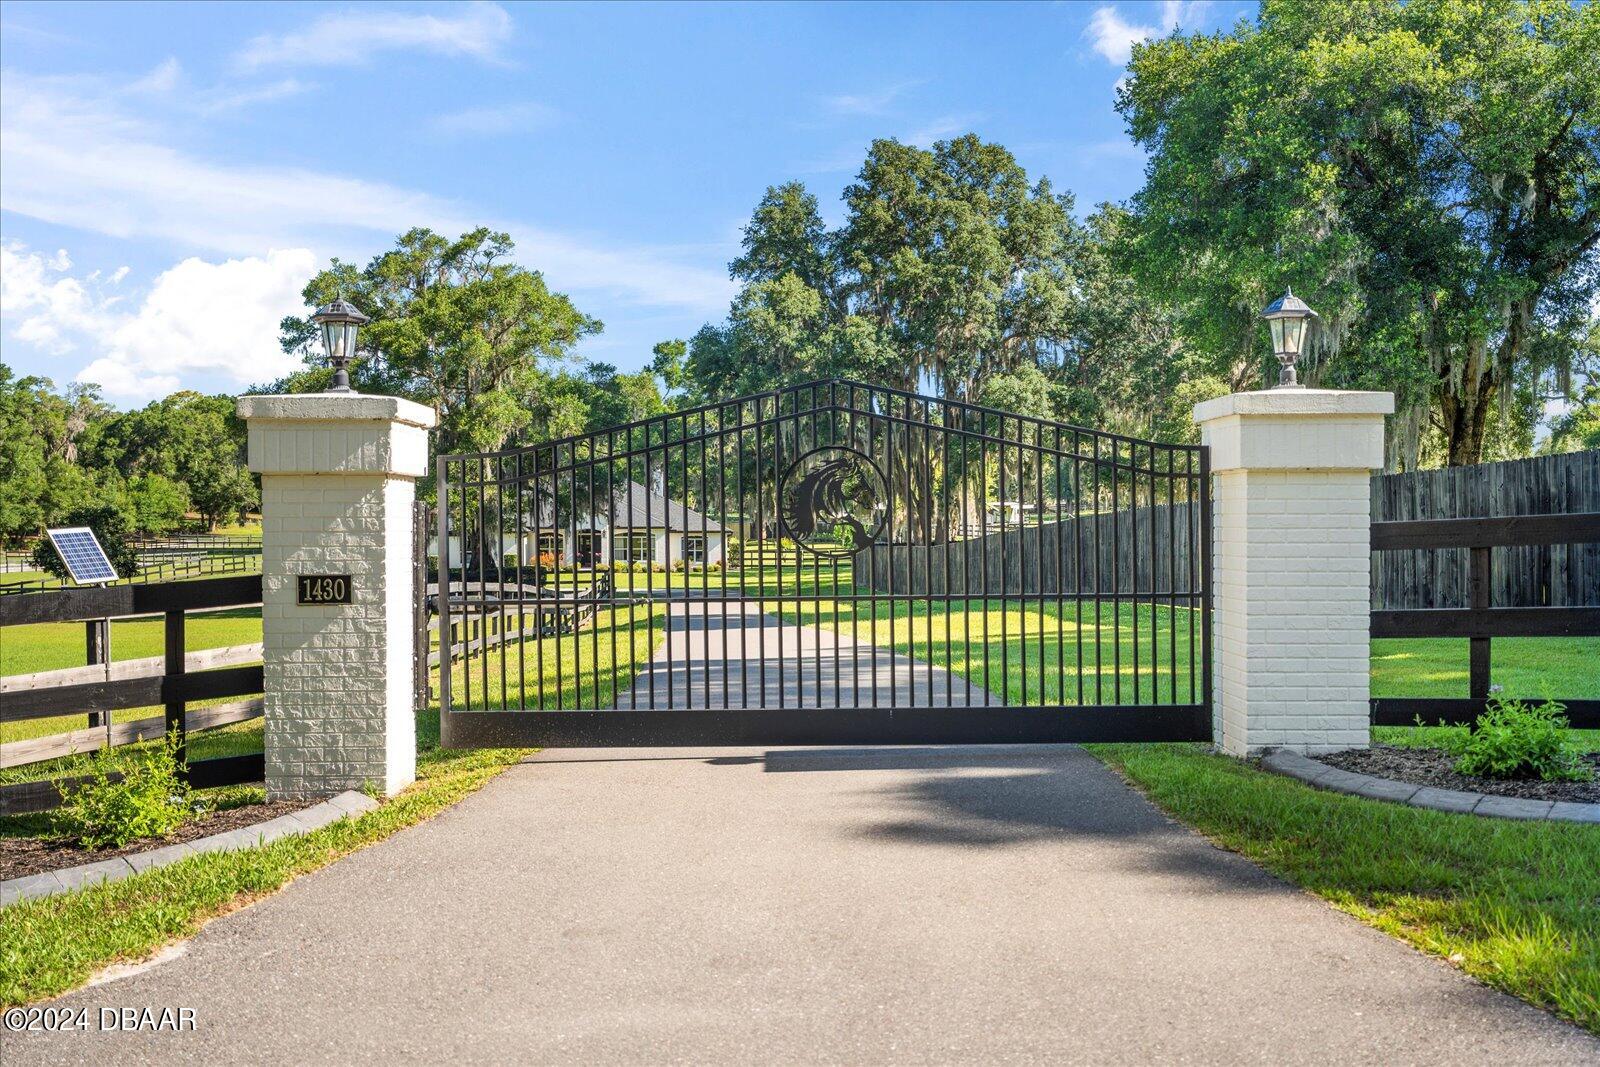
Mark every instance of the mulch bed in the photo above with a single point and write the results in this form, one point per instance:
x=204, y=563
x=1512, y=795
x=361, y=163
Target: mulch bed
x=22, y=856
x=1435, y=767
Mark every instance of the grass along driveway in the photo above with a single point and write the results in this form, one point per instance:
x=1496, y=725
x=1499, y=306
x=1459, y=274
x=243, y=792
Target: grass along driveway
x=1515, y=904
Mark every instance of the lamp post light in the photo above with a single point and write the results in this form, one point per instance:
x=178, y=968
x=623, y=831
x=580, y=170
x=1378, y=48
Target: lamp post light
x=339, y=322
x=1287, y=318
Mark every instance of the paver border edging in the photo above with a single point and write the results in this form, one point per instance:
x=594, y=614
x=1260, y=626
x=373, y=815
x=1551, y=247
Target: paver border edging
x=49, y=883
x=1318, y=774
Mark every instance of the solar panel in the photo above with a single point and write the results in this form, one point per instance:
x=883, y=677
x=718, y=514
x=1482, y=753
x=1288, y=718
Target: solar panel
x=86, y=561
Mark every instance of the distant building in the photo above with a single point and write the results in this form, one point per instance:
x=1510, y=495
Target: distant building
x=641, y=525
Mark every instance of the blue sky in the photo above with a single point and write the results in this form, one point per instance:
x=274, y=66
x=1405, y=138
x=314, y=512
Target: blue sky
x=170, y=176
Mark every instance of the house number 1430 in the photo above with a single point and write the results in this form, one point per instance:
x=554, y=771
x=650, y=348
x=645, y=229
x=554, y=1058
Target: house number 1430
x=322, y=589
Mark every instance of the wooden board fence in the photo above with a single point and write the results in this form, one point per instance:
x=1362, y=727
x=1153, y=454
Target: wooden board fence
x=38, y=749
x=150, y=666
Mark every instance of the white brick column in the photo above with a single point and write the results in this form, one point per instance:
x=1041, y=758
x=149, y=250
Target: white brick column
x=1290, y=533
x=338, y=474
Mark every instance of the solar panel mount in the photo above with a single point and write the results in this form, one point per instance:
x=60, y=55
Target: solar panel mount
x=80, y=550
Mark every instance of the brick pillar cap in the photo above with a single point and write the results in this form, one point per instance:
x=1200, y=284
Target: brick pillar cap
x=1295, y=402
x=337, y=407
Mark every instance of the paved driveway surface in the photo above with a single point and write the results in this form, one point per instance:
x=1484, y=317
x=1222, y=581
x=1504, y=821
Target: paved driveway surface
x=733, y=655
x=942, y=905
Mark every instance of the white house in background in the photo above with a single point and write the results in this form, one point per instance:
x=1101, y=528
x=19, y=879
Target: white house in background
x=649, y=528
x=1011, y=511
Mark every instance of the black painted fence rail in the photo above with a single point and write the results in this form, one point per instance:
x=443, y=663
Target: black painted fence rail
x=1481, y=622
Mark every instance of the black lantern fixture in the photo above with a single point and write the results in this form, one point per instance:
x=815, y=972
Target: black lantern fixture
x=1287, y=317
x=339, y=322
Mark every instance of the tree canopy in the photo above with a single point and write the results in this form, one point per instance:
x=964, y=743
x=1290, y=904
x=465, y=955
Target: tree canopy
x=62, y=454
x=1423, y=173
x=455, y=325
x=950, y=268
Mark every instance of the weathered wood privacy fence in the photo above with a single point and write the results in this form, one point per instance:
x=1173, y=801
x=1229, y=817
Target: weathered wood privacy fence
x=1144, y=550
x=1116, y=548
x=173, y=688
x=1524, y=575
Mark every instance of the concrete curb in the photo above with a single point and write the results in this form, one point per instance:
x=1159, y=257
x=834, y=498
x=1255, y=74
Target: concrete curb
x=1372, y=787
x=34, y=886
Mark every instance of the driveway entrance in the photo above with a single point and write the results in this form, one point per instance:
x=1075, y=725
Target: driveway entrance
x=890, y=905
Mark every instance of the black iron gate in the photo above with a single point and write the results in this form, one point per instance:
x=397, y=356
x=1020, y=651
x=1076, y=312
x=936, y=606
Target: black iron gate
x=827, y=563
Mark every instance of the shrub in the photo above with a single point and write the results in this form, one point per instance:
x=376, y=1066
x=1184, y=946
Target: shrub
x=1517, y=740
x=149, y=800
x=716, y=566
x=677, y=566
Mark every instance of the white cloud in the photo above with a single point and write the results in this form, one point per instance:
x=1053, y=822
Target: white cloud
x=38, y=307
x=486, y=121
x=870, y=103
x=940, y=129
x=478, y=31
x=1114, y=36
x=167, y=85
x=199, y=316
x=74, y=159
x=163, y=79
x=215, y=101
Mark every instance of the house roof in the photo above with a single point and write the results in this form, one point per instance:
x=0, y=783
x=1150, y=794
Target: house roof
x=638, y=507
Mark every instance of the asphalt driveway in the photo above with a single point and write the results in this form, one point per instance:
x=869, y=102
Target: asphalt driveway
x=933, y=905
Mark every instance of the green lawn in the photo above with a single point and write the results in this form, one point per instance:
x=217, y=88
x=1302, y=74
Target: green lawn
x=1526, y=666
x=979, y=642
x=577, y=670
x=248, y=528
x=1514, y=904
x=573, y=670
x=51, y=646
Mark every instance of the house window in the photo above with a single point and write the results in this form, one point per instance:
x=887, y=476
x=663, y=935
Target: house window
x=550, y=545
x=634, y=548
x=694, y=548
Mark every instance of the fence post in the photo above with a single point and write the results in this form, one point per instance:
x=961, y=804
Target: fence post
x=174, y=667
x=96, y=636
x=338, y=474
x=1291, y=472
x=1478, y=647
